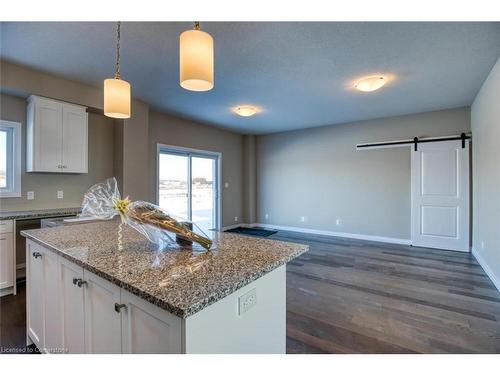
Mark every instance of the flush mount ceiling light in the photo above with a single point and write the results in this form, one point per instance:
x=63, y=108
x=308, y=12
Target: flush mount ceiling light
x=196, y=53
x=245, y=110
x=372, y=83
x=116, y=90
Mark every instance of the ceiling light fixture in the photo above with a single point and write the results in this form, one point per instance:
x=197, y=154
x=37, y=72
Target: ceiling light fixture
x=196, y=55
x=372, y=83
x=246, y=110
x=117, y=91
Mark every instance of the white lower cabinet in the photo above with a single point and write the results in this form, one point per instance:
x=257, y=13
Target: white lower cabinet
x=34, y=282
x=71, y=310
x=52, y=337
x=148, y=329
x=72, y=307
x=7, y=255
x=102, y=317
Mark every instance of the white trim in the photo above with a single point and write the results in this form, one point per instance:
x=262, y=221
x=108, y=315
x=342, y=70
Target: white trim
x=486, y=269
x=365, y=237
x=15, y=190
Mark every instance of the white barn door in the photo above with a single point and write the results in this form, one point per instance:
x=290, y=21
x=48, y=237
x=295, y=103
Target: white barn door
x=440, y=195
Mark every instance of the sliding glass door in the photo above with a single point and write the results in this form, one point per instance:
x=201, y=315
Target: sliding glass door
x=188, y=185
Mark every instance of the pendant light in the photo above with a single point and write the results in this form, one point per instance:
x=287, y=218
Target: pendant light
x=116, y=90
x=196, y=52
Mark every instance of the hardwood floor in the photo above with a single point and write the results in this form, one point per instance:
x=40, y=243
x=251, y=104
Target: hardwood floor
x=349, y=296
x=13, y=323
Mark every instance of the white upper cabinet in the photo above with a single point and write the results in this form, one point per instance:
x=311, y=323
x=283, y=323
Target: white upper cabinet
x=57, y=136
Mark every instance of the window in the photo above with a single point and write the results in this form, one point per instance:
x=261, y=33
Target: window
x=188, y=185
x=10, y=159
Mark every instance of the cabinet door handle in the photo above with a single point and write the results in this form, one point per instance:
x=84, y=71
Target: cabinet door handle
x=119, y=306
x=36, y=254
x=75, y=280
x=81, y=283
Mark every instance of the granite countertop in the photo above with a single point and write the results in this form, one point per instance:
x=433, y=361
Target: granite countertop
x=181, y=281
x=34, y=214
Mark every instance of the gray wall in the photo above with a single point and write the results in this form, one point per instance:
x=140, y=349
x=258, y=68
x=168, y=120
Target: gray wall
x=45, y=185
x=485, y=123
x=171, y=130
x=317, y=173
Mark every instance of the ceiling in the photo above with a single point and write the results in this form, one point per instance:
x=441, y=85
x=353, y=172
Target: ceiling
x=300, y=74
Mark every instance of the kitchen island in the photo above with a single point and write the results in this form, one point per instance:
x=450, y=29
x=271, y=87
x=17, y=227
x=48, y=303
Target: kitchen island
x=85, y=295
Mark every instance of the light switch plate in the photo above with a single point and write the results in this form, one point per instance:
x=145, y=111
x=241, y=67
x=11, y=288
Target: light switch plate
x=226, y=184
x=247, y=301
x=60, y=194
x=30, y=195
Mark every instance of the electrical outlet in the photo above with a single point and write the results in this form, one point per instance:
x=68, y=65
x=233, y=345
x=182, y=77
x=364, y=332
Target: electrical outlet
x=236, y=218
x=303, y=219
x=30, y=195
x=226, y=184
x=247, y=301
x=266, y=216
x=60, y=194
x=338, y=222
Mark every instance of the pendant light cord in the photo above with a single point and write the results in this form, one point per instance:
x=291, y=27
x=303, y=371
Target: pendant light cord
x=118, y=35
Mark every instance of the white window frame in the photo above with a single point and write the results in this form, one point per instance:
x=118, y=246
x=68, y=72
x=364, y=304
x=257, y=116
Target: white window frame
x=189, y=152
x=14, y=190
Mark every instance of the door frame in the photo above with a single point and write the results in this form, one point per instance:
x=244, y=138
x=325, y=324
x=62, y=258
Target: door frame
x=189, y=152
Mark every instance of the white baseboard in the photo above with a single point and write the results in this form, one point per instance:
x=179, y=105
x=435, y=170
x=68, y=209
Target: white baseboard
x=486, y=269
x=366, y=237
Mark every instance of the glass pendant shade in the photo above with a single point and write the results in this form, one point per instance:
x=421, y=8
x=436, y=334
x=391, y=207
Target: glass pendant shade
x=116, y=98
x=196, y=60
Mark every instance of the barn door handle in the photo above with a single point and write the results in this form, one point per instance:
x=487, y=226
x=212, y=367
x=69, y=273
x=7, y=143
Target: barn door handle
x=119, y=306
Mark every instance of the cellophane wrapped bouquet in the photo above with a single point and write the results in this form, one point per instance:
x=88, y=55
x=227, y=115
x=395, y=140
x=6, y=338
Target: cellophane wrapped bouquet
x=103, y=201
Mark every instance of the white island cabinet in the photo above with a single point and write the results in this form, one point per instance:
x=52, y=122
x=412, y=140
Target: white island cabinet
x=73, y=310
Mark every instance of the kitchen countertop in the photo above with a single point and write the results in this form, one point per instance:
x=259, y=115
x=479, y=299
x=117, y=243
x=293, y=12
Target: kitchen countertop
x=34, y=214
x=181, y=281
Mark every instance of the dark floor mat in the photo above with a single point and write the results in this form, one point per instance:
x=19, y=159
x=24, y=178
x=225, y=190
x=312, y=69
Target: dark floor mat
x=258, y=232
